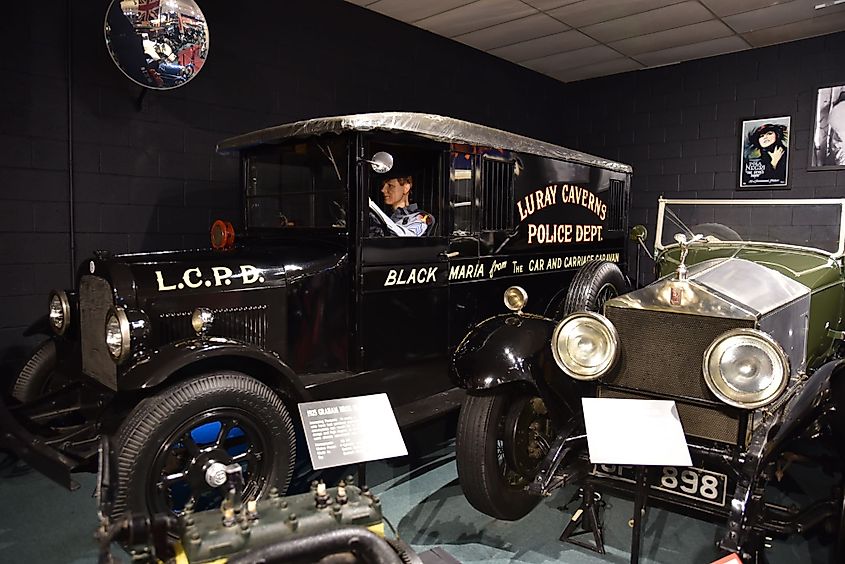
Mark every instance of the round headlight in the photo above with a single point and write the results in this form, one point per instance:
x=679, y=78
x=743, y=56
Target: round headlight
x=515, y=298
x=117, y=334
x=585, y=345
x=201, y=320
x=59, y=312
x=746, y=368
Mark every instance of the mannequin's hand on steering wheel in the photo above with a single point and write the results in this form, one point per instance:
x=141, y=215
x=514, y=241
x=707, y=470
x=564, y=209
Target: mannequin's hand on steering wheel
x=377, y=226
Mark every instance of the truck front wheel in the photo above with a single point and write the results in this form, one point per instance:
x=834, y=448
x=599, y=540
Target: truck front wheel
x=167, y=447
x=498, y=447
x=39, y=375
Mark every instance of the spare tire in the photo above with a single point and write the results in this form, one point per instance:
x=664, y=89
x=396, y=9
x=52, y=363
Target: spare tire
x=596, y=282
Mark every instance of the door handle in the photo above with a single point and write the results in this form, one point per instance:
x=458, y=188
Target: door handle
x=448, y=254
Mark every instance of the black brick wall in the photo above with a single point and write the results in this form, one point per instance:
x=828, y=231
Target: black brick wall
x=686, y=120
x=149, y=179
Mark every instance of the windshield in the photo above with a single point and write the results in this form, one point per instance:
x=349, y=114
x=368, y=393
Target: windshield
x=815, y=224
x=301, y=184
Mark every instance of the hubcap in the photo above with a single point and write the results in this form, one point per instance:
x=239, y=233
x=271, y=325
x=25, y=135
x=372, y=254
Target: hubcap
x=525, y=440
x=215, y=474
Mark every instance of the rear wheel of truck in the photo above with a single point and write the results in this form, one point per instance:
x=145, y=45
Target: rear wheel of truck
x=498, y=448
x=594, y=284
x=39, y=375
x=170, y=448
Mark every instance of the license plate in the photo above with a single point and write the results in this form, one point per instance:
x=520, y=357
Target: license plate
x=694, y=483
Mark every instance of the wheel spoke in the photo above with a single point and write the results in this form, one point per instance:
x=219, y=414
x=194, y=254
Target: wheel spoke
x=604, y=295
x=175, y=477
x=500, y=459
x=247, y=456
x=226, y=425
x=190, y=445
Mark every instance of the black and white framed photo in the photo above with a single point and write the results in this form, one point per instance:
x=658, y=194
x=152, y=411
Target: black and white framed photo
x=828, y=150
x=764, y=153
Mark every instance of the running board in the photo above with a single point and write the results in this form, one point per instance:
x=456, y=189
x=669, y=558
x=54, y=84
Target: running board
x=422, y=410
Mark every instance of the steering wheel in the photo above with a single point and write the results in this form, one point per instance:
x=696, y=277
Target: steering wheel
x=338, y=214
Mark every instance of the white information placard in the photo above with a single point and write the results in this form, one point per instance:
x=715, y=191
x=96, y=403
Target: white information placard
x=351, y=430
x=635, y=431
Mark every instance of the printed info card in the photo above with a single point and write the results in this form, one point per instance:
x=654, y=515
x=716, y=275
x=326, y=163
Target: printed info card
x=351, y=430
x=635, y=431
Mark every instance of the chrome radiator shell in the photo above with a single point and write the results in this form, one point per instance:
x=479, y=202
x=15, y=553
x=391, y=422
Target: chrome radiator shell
x=665, y=329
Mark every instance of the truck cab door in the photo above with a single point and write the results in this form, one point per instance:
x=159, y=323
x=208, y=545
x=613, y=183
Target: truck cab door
x=403, y=297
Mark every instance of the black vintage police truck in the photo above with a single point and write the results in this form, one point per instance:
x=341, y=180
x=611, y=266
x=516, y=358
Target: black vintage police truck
x=191, y=359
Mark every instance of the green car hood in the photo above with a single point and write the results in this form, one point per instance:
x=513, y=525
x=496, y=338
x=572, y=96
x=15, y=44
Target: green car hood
x=813, y=269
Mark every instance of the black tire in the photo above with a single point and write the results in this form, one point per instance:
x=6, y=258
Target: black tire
x=481, y=466
x=594, y=284
x=38, y=375
x=159, y=437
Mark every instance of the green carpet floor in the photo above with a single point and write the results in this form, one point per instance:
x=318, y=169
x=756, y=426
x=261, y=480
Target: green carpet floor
x=41, y=522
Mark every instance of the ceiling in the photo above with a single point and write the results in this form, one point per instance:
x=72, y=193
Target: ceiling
x=576, y=39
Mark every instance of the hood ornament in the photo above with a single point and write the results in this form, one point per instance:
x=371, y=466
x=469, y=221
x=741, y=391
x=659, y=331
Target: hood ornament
x=684, y=243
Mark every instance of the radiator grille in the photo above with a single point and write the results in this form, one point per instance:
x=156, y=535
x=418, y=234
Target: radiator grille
x=704, y=422
x=247, y=324
x=662, y=352
x=95, y=300
x=617, y=206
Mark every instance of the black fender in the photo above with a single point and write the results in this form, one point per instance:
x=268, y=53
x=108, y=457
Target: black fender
x=501, y=350
x=837, y=395
x=179, y=355
x=809, y=401
x=814, y=398
x=516, y=349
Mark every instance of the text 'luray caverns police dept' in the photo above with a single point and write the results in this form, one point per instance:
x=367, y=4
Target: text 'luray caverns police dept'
x=556, y=233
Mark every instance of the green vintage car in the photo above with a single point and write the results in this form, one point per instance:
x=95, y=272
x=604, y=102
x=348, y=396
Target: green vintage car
x=742, y=329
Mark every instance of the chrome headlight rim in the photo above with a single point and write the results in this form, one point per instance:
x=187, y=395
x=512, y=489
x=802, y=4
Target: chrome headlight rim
x=64, y=304
x=729, y=394
x=518, y=292
x=202, y=319
x=612, y=339
x=119, y=314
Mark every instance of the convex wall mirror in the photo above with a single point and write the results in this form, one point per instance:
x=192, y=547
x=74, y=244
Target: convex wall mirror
x=159, y=44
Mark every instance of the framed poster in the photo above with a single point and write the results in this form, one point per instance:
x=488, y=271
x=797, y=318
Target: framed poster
x=764, y=153
x=828, y=150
